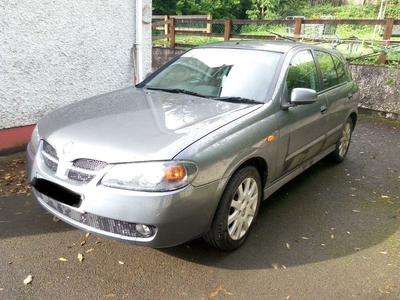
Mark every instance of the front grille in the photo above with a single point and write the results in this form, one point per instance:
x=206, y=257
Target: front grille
x=98, y=222
x=80, y=176
x=82, y=170
x=89, y=164
x=85, y=169
x=50, y=156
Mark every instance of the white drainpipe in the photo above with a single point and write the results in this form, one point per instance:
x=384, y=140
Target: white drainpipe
x=139, y=41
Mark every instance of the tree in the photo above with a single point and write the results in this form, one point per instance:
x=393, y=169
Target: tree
x=219, y=9
x=272, y=9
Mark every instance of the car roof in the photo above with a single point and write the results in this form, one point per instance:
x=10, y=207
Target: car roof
x=277, y=46
x=282, y=46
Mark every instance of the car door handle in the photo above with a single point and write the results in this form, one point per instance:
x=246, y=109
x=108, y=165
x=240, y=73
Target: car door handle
x=323, y=109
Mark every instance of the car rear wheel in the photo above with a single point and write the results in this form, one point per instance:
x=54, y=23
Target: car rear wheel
x=236, y=211
x=343, y=144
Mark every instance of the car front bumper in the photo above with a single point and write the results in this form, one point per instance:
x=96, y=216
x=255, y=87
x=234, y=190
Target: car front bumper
x=173, y=217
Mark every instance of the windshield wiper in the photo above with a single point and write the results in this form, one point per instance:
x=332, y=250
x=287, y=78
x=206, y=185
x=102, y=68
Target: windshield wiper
x=177, y=91
x=238, y=100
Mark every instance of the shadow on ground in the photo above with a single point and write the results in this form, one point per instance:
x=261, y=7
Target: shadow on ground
x=327, y=212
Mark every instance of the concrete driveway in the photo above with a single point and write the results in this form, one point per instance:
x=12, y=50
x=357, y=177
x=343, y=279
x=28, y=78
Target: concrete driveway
x=331, y=233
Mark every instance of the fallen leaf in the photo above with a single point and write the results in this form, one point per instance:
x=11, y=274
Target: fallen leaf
x=214, y=294
x=357, y=249
x=385, y=290
x=62, y=259
x=55, y=219
x=121, y=262
x=288, y=245
x=80, y=257
x=111, y=295
x=87, y=235
x=90, y=250
x=332, y=237
x=383, y=252
x=83, y=243
x=304, y=238
x=28, y=280
x=356, y=210
x=384, y=197
x=288, y=297
x=284, y=267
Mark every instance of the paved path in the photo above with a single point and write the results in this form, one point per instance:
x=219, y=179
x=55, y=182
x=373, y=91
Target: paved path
x=331, y=233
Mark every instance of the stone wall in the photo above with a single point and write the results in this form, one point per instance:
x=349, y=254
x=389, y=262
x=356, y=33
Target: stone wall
x=376, y=97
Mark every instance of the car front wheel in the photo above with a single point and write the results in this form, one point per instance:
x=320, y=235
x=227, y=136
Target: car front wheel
x=236, y=211
x=343, y=144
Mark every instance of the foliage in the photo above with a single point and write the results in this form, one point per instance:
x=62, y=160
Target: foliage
x=274, y=9
x=368, y=11
x=393, y=9
x=219, y=9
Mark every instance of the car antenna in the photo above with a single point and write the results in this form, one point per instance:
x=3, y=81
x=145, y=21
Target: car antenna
x=237, y=43
x=281, y=36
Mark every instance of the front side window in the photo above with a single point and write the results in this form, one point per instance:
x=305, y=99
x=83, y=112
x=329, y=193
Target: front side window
x=302, y=73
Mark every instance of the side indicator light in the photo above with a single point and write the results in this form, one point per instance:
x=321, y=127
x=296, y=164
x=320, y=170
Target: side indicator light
x=270, y=139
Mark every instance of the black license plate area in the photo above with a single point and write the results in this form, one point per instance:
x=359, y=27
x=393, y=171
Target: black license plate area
x=57, y=192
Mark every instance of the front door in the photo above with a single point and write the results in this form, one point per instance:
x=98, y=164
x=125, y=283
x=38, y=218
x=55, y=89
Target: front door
x=303, y=127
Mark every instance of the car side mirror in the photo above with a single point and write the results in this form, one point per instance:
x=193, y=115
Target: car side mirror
x=301, y=96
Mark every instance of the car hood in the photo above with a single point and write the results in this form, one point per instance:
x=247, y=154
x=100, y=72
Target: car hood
x=135, y=125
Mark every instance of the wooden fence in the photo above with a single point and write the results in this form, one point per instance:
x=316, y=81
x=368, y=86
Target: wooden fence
x=230, y=29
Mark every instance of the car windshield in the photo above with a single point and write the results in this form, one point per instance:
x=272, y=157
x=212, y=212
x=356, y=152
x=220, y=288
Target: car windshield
x=223, y=74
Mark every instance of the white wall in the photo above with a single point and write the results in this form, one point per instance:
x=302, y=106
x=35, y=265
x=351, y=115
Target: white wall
x=53, y=53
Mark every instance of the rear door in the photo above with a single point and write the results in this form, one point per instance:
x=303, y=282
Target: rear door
x=337, y=90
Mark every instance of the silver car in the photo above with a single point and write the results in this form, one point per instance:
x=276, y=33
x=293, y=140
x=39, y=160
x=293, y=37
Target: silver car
x=196, y=147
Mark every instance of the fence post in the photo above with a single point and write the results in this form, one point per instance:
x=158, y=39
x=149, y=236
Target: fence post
x=209, y=17
x=172, y=32
x=166, y=29
x=387, y=34
x=297, y=28
x=227, y=32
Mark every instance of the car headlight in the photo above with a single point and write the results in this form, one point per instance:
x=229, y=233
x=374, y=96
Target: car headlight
x=35, y=140
x=150, y=176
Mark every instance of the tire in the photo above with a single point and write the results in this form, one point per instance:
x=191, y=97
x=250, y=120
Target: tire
x=236, y=211
x=343, y=144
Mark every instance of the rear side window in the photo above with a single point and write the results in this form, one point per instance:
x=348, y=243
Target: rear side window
x=340, y=69
x=330, y=75
x=302, y=72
